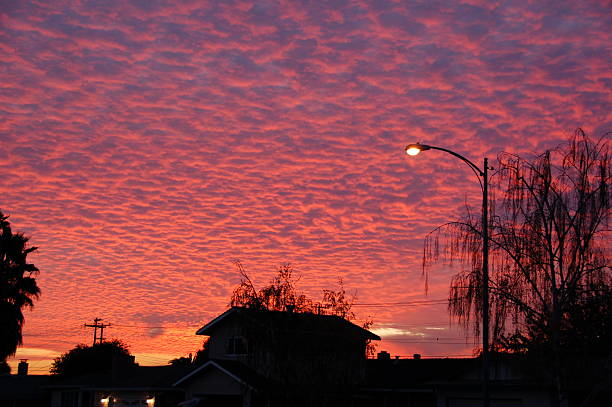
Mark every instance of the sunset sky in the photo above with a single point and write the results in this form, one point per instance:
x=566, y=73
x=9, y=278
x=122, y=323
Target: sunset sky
x=146, y=145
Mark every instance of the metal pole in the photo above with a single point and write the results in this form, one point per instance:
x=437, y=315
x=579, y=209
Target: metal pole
x=484, y=174
x=485, y=283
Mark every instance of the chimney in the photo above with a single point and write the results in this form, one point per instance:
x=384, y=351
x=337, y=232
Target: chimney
x=22, y=368
x=416, y=356
x=383, y=355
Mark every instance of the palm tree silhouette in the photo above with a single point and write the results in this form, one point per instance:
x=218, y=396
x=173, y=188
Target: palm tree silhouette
x=18, y=286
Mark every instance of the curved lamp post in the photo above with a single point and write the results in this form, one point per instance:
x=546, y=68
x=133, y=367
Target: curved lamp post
x=483, y=179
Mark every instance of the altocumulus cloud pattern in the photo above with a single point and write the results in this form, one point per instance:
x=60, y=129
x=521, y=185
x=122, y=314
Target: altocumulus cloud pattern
x=144, y=145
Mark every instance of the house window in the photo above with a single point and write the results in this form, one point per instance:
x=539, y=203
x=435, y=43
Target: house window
x=236, y=345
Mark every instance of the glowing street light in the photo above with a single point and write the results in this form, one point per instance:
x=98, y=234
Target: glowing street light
x=483, y=179
x=414, y=149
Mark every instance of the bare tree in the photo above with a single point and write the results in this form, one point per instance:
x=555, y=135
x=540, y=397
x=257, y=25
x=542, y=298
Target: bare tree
x=276, y=296
x=282, y=293
x=549, y=248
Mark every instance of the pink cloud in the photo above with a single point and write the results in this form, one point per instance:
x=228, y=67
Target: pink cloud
x=146, y=146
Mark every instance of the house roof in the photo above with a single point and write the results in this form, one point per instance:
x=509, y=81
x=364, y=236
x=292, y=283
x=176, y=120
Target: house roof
x=14, y=387
x=132, y=377
x=414, y=373
x=305, y=322
x=235, y=370
x=399, y=373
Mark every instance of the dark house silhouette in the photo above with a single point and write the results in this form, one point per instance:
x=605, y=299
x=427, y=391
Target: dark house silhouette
x=23, y=390
x=269, y=358
x=126, y=385
x=453, y=383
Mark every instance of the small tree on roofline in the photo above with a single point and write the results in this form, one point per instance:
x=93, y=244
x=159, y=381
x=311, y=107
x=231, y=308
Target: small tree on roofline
x=282, y=294
x=549, y=253
x=276, y=296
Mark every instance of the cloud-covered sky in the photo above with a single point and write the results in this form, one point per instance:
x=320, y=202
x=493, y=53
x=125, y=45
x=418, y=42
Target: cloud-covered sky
x=145, y=145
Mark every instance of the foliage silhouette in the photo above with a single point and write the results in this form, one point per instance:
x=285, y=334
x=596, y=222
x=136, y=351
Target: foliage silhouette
x=549, y=254
x=18, y=288
x=281, y=294
x=201, y=357
x=84, y=359
x=181, y=361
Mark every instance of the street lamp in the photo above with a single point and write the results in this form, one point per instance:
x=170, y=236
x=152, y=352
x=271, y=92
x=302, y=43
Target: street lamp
x=483, y=179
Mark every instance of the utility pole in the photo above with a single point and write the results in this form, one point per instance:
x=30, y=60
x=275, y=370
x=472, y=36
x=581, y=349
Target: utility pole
x=97, y=324
x=102, y=326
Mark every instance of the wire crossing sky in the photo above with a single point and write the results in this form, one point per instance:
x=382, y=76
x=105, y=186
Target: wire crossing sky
x=146, y=145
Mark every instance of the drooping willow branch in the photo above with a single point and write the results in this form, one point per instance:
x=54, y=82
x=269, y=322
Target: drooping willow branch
x=548, y=234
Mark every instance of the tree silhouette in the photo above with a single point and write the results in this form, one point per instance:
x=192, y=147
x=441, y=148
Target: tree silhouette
x=83, y=359
x=549, y=250
x=18, y=287
x=201, y=356
x=276, y=296
x=281, y=294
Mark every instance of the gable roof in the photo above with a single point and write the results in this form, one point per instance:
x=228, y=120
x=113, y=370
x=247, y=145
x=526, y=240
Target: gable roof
x=304, y=322
x=235, y=370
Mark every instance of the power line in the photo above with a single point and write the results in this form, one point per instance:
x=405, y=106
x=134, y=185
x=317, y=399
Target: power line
x=405, y=303
x=427, y=342
x=416, y=324
x=432, y=339
x=437, y=356
x=143, y=326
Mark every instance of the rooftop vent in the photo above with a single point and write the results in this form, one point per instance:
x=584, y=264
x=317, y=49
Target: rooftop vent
x=383, y=355
x=22, y=368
